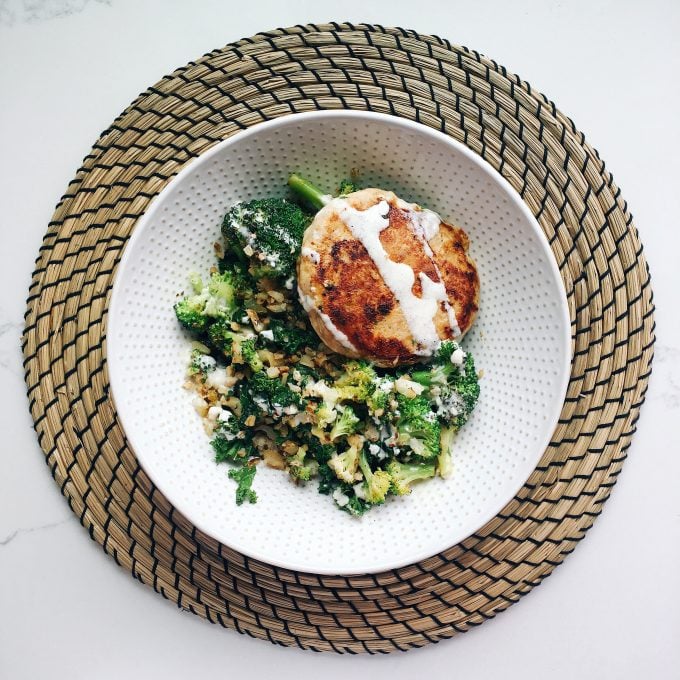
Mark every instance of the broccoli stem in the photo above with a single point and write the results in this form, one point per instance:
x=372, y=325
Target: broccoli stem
x=308, y=192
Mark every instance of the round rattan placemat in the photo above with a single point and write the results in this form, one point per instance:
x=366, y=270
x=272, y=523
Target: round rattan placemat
x=521, y=133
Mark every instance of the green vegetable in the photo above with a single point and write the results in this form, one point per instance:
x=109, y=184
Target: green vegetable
x=404, y=474
x=313, y=407
x=302, y=466
x=248, y=405
x=344, y=465
x=275, y=392
x=250, y=355
x=325, y=415
x=236, y=345
x=417, y=426
x=356, y=382
x=201, y=364
x=378, y=401
x=216, y=299
x=445, y=460
x=308, y=192
x=291, y=338
x=345, y=424
x=376, y=483
x=356, y=506
x=244, y=478
x=228, y=442
x=269, y=228
x=347, y=186
x=457, y=386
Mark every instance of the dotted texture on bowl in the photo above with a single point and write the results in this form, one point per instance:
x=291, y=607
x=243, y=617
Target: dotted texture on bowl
x=423, y=78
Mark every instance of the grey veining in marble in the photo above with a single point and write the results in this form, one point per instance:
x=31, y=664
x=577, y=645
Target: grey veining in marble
x=10, y=351
x=29, y=530
x=667, y=373
x=37, y=11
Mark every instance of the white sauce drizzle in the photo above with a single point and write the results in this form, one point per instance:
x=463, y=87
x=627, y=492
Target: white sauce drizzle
x=308, y=305
x=425, y=225
x=419, y=312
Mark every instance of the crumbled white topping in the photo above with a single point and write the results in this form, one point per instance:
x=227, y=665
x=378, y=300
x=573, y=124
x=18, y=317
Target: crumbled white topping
x=218, y=379
x=213, y=413
x=340, y=497
x=383, y=384
x=458, y=357
x=204, y=363
x=408, y=388
x=417, y=446
x=449, y=407
x=261, y=403
x=376, y=451
x=360, y=491
x=268, y=335
x=224, y=415
x=321, y=389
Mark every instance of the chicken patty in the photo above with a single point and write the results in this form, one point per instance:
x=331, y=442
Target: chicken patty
x=384, y=280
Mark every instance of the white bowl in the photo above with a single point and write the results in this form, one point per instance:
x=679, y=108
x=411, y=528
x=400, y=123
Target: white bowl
x=521, y=341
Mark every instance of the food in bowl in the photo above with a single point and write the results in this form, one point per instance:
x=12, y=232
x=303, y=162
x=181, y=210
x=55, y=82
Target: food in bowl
x=326, y=343
x=383, y=279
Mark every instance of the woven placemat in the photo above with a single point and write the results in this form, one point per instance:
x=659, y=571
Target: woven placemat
x=422, y=78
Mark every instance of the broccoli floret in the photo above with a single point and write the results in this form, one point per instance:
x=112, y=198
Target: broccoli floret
x=201, y=364
x=302, y=466
x=325, y=415
x=233, y=344
x=345, y=424
x=221, y=336
x=466, y=385
x=417, y=426
x=404, y=474
x=356, y=382
x=291, y=339
x=190, y=312
x=442, y=369
x=344, y=465
x=244, y=478
x=250, y=355
x=216, y=299
x=453, y=383
x=376, y=483
x=347, y=186
x=445, y=460
x=268, y=230
x=379, y=398
x=356, y=506
x=273, y=390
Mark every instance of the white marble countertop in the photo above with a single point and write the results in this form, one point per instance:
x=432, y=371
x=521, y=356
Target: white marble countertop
x=67, y=68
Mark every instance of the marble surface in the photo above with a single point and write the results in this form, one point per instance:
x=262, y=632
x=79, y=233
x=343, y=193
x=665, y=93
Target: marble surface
x=67, y=68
